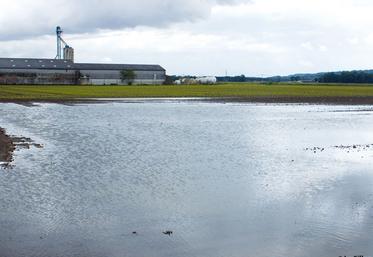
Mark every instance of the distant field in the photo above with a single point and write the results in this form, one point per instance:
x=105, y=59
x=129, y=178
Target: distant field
x=234, y=90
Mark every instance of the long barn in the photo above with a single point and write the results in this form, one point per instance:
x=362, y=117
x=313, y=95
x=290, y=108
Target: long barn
x=66, y=72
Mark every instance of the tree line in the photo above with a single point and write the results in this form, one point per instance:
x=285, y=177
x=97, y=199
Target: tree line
x=346, y=77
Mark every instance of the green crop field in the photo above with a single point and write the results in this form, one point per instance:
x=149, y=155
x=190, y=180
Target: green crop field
x=230, y=90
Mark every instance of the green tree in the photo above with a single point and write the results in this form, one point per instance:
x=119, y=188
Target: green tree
x=169, y=80
x=128, y=76
x=347, y=77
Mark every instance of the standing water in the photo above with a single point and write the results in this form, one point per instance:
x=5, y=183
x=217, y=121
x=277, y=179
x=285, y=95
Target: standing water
x=229, y=180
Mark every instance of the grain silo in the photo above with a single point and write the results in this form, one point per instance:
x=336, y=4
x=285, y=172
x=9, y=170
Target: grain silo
x=68, y=53
x=62, y=70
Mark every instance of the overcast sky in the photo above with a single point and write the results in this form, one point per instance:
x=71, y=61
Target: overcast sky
x=198, y=37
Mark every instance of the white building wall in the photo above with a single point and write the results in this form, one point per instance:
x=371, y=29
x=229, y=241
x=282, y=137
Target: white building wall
x=112, y=77
x=93, y=77
x=120, y=82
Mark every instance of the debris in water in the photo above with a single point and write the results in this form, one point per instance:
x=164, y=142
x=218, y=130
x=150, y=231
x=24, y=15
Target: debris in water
x=168, y=232
x=349, y=148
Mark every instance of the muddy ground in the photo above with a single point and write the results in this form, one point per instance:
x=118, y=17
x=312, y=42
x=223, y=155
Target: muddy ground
x=9, y=144
x=328, y=100
x=7, y=147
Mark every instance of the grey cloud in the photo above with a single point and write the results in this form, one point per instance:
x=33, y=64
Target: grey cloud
x=25, y=18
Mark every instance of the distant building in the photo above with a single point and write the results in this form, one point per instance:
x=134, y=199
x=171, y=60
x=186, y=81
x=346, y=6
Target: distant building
x=207, y=80
x=66, y=72
x=194, y=81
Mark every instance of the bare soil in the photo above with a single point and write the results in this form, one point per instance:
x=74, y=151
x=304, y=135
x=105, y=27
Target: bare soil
x=329, y=100
x=9, y=144
x=7, y=147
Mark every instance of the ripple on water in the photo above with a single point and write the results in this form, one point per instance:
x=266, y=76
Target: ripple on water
x=227, y=179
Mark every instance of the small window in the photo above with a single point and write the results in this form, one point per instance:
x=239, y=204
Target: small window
x=65, y=61
x=26, y=60
x=28, y=65
x=55, y=66
x=12, y=60
x=51, y=60
x=43, y=65
x=14, y=65
x=68, y=66
x=40, y=61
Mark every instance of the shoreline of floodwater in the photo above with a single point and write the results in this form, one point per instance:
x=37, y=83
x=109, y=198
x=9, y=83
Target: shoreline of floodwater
x=9, y=144
x=327, y=100
x=7, y=147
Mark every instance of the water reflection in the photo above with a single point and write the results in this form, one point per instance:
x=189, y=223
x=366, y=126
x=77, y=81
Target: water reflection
x=228, y=180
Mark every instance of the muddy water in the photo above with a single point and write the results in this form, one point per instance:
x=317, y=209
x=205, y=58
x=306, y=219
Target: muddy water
x=229, y=180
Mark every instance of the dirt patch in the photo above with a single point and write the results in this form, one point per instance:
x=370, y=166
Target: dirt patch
x=7, y=147
x=9, y=144
x=324, y=100
x=327, y=100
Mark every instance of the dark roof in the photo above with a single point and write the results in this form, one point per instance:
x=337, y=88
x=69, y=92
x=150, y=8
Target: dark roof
x=102, y=66
x=53, y=64
x=25, y=63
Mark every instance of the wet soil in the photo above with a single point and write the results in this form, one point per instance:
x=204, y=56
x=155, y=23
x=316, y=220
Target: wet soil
x=331, y=100
x=9, y=144
x=7, y=147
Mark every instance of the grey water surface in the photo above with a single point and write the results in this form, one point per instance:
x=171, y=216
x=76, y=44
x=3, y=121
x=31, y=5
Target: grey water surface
x=230, y=180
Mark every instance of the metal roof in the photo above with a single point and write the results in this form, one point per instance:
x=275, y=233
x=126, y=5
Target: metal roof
x=102, y=66
x=53, y=64
x=23, y=63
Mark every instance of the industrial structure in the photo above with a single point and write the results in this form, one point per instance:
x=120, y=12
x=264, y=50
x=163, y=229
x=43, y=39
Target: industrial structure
x=64, y=71
x=67, y=53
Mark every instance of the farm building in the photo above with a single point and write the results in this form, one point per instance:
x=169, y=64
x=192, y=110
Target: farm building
x=66, y=72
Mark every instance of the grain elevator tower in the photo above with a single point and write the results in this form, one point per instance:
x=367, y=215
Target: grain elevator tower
x=67, y=53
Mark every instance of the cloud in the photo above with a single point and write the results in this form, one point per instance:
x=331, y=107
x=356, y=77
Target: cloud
x=201, y=37
x=25, y=18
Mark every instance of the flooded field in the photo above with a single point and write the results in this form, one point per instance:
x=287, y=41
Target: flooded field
x=229, y=180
